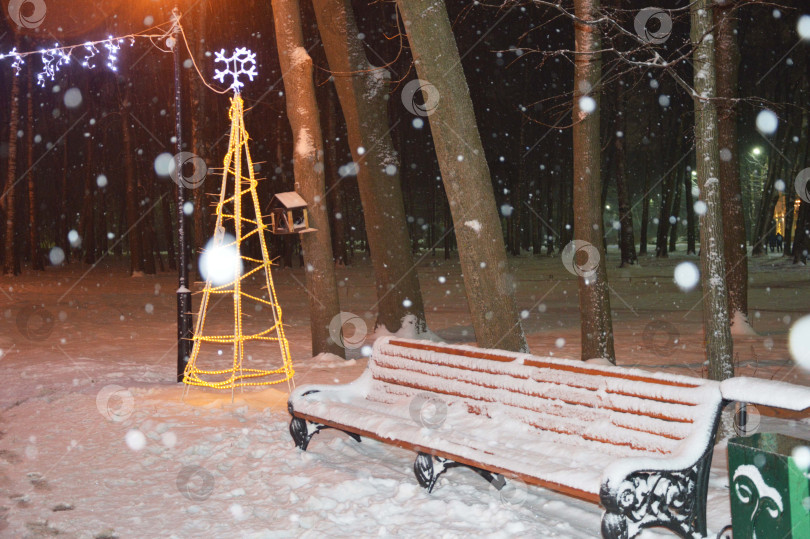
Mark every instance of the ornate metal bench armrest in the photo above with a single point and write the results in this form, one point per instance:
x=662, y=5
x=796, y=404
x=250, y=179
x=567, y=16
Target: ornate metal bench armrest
x=673, y=499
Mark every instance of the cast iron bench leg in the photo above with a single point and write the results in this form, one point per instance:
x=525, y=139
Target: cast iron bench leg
x=427, y=471
x=302, y=432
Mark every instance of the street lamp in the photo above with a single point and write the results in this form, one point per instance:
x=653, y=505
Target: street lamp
x=756, y=151
x=184, y=332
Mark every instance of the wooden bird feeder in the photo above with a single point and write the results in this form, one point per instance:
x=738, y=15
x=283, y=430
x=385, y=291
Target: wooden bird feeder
x=288, y=214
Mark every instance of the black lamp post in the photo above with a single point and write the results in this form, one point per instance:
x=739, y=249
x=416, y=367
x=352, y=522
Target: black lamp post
x=184, y=330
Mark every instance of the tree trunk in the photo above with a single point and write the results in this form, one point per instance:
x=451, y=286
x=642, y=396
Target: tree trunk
x=676, y=208
x=64, y=205
x=790, y=188
x=11, y=264
x=716, y=323
x=147, y=233
x=594, y=300
x=86, y=224
x=548, y=214
x=132, y=230
x=361, y=91
x=33, y=236
x=690, y=213
x=727, y=58
x=645, y=207
x=489, y=287
x=664, y=212
x=764, y=222
x=302, y=112
x=338, y=214
x=801, y=243
x=627, y=241
x=168, y=229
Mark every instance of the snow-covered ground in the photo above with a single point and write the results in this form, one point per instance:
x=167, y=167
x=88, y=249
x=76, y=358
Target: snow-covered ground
x=97, y=441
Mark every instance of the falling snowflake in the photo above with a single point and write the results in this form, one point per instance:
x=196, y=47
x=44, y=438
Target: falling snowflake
x=242, y=62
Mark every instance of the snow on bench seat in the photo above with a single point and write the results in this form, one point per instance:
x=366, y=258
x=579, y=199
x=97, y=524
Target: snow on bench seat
x=516, y=413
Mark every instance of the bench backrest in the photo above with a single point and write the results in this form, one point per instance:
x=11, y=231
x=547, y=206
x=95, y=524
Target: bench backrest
x=628, y=410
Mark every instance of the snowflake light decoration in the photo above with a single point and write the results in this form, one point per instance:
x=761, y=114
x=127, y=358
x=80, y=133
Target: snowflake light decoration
x=242, y=62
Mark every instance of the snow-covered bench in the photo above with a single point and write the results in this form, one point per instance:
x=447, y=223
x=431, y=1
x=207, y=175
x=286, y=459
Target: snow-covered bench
x=638, y=443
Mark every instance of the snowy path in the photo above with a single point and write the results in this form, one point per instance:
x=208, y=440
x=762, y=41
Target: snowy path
x=66, y=467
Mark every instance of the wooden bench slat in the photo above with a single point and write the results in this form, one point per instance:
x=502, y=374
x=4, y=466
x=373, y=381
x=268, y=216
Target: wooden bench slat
x=423, y=383
x=535, y=363
x=389, y=394
x=548, y=375
x=581, y=397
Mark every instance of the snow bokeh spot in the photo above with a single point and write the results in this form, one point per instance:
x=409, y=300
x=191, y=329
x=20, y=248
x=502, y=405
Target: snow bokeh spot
x=220, y=262
x=700, y=207
x=101, y=181
x=587, y=104
x=799, y=342
x=687, y=276
x=56, y=256
x=767, y=122
x=135, y=440
x=74, y=239
x=164, y=163
x=801, y=456
x=803, y=27
x=73, y=98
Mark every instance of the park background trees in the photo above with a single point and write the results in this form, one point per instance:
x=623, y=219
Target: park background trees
x=395, y=188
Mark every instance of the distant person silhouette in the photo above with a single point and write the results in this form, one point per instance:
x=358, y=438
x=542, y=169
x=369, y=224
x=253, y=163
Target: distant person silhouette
x=771, y=242
x=778, y=242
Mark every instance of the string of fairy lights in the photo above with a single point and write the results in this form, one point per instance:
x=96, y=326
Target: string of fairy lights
x=88, y=54
x=85, y=54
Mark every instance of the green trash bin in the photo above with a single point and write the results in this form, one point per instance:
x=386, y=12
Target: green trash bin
x=770, y=497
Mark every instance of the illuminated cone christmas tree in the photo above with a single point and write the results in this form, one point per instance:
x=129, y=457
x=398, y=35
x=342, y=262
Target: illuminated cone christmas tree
x=230, y=272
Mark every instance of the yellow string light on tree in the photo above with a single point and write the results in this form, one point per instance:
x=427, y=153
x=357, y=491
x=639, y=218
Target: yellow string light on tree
x=237, y=375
